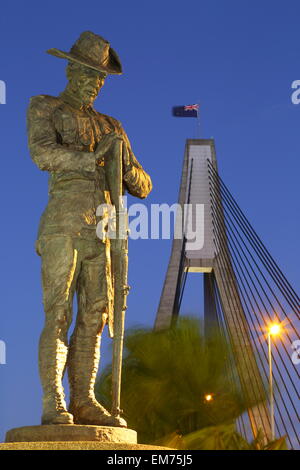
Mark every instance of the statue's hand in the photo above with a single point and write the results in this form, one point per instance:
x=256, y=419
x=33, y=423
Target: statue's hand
x=127, y=163
x=106, y=144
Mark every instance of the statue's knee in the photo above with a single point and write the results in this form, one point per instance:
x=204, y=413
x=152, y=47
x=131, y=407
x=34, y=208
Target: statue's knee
x=59, y=318
x=95, y=317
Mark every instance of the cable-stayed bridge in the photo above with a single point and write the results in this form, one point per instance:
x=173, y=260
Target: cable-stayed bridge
x=245, y=292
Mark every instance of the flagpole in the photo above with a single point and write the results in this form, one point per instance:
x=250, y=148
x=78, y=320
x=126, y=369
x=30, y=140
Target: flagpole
x=198, y=121
x=198, y=125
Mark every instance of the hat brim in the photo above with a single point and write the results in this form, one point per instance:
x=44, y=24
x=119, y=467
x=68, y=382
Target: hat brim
x=111, y=68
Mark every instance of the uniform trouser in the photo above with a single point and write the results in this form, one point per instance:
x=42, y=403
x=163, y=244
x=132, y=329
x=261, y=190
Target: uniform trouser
x=72, y=265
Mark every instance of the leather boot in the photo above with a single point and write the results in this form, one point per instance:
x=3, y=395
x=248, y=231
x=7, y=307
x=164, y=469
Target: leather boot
x=52, y=360
x=83, y=362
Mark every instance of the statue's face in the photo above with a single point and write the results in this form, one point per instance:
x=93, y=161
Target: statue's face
x=86, y=83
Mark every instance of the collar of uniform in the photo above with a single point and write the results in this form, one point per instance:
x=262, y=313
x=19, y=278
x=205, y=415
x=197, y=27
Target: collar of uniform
x=74, y=102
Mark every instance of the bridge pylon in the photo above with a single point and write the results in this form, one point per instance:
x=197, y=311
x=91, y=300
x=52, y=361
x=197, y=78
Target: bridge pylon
x=208, y=253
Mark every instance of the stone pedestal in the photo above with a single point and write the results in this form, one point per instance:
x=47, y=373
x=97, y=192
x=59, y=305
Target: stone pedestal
x=73, y=437
x=71, y=433
x=77, y=445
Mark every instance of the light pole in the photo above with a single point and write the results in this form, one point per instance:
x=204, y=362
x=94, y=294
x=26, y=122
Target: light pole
x=273, y=331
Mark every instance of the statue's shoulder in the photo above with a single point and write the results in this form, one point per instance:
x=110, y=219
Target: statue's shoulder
x=114, y=123
x=45, y=102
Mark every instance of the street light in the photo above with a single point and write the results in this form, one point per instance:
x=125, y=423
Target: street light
x=208, y=397
x=273, y=330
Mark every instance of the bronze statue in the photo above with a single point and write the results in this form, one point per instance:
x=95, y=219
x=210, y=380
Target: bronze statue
x=74, y=143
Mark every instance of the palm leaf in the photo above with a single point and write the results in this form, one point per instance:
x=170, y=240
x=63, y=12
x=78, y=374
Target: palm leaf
x=166, y=375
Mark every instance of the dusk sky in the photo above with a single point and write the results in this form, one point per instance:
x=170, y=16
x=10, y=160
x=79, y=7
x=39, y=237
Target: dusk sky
x=237, y=59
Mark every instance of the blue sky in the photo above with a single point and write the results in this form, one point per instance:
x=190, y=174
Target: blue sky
x=236, y=58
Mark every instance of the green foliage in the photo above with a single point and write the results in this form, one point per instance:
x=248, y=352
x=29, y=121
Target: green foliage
x=166, y=375
x=259, y=444
x=222, y=437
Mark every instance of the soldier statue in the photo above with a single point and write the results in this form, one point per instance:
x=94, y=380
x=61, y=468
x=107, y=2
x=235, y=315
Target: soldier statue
x=73, y=142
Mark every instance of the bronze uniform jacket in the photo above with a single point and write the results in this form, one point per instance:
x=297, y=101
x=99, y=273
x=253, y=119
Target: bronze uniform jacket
x=62, y=138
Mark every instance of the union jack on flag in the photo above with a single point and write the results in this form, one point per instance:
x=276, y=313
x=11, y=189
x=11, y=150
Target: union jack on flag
x=190, y=110
x=191, y=107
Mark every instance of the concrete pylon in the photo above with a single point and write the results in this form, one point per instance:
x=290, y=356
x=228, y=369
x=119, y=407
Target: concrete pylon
x=210, y=255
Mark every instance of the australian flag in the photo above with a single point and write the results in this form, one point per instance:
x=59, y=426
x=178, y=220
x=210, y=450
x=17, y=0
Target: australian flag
x=190, y=110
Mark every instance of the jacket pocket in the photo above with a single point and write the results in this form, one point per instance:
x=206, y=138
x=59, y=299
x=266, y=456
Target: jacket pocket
x=68, y=129
x=66, y=126
x=86, y=135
